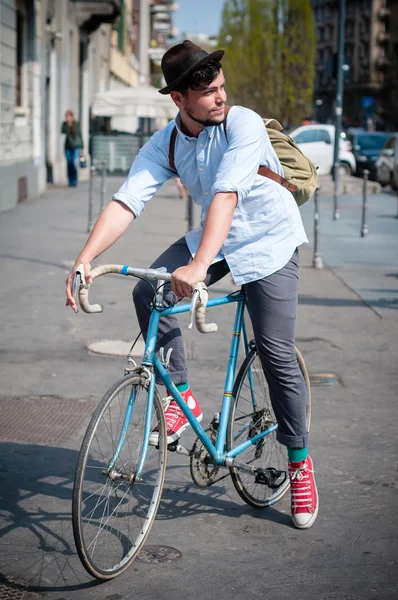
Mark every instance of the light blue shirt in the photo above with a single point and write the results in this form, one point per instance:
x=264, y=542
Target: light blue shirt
x=266, y=227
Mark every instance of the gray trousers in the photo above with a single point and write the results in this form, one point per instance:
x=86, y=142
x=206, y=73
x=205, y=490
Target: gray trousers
x=272, y=303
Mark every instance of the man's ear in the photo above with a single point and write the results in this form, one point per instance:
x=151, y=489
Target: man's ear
x=176, y=97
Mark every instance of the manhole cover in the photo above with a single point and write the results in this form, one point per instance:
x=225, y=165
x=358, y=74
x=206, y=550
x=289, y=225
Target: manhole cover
x=116, y=347
x=158, y=554
x=324, y=379
x=42, y=419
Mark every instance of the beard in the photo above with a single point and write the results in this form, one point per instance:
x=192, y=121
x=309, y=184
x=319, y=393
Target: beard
x=205, y=122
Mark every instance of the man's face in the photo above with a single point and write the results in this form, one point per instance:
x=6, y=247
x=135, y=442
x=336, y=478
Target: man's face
x=204, y=106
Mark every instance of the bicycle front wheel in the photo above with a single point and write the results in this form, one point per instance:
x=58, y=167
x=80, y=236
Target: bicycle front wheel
x=113, y=509
x=251, y=413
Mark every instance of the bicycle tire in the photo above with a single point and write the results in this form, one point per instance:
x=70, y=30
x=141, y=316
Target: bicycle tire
x=268, y=449
x=120, y=499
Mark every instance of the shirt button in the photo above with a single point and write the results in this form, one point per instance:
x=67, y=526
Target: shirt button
x=201, y=169
x=201, y=145
x=206, y=193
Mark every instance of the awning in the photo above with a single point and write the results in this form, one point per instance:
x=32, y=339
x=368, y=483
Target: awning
x=140, y=101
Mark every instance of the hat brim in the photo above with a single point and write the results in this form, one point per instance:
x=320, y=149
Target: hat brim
x=216, y=55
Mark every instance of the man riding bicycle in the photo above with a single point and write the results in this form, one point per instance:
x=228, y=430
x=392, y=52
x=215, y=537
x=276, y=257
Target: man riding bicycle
x=250, y=227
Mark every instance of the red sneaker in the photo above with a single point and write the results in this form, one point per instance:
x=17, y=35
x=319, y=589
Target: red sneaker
x=176, y=421
x=305, y=502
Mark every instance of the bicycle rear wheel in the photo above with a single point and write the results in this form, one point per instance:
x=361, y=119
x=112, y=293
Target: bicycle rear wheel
x=112, y=510
x=251, y=413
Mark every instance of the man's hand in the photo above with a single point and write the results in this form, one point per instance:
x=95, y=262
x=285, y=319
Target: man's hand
x=70, y=300
x=184, y=279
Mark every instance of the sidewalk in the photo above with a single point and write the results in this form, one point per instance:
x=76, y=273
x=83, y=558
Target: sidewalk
x=50, y=383
x=368, y=265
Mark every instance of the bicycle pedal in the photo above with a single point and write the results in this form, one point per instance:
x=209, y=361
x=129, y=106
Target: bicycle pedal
x=270, y=477
x=176, y=447
x=172, y=447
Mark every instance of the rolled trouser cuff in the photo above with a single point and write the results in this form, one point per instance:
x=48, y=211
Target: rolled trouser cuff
x=292, y=441
x=177, y=377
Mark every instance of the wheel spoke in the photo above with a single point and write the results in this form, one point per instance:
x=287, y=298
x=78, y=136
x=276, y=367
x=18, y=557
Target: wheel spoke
x=112, y=518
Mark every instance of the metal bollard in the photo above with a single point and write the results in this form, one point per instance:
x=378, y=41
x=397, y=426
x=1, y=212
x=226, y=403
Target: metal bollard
x=396, y=216
x=364, y=228
x=190, y=212
x=317, y=261
x=103, y=184
x=336, y=175
x=90, y=199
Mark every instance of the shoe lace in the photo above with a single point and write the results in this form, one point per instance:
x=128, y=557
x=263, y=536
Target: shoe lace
x=173, y=414
x=301, y=487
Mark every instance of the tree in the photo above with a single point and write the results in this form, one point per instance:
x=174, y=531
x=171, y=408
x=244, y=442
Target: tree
x=269, y=62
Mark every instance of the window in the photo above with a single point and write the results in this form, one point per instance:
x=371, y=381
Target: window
x=371, y=142
x=20, y=58
x=307, y=136
x=120, y=28
x=312, y=135
x=324, y=136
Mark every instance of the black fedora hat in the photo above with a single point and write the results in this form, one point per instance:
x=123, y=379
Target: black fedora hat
x=180, y=60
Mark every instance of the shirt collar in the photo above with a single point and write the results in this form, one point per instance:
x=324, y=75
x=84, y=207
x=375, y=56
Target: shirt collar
x=209, y=130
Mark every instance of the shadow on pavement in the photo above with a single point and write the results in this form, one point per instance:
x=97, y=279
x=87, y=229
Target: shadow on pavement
x=36, y=540
x=37, y=548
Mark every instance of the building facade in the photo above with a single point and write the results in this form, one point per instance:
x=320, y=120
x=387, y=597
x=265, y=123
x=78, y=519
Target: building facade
x=162, y=36
x=55, y=55
x=367, y=60
x=124, y=64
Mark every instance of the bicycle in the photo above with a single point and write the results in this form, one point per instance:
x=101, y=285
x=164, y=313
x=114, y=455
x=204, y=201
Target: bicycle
x=119, y=475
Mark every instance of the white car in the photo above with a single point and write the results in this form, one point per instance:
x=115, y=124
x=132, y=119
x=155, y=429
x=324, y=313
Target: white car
x=387, y=163
x=317, y=143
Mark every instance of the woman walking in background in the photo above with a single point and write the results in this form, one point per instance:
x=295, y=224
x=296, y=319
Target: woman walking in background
x=73, y=145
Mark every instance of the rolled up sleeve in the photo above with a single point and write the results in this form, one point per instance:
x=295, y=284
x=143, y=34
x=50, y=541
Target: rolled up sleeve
x=247, y=140
x=147, y=174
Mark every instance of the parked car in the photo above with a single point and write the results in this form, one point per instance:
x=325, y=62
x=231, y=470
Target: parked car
x=317, y=143
x=366, y=146
x=387, y=163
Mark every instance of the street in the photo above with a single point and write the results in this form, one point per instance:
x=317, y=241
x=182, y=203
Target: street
x=51, y=382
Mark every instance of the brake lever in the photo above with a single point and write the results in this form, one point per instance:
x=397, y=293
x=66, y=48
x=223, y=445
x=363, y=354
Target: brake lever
x=79, y=281
x=194, y=303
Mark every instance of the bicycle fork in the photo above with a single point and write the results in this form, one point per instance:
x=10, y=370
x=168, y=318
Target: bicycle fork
x=111, y=472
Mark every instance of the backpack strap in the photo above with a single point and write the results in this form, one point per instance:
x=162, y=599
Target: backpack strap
x=264, y=171
x=173, y=138
x=224, y=123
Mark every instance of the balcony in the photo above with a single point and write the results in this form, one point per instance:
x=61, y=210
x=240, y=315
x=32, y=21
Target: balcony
x=384, y=13
x=383, y=37
x=160, y=26
x=382, y=63
x=91, y=13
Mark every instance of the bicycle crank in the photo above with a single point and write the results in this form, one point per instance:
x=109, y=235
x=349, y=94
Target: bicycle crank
x=203, y=473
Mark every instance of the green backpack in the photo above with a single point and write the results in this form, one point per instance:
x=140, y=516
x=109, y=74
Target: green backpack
x=300, y=176
x=297, y=168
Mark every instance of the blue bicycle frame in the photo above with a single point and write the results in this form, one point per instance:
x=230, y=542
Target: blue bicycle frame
x=217, y=454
